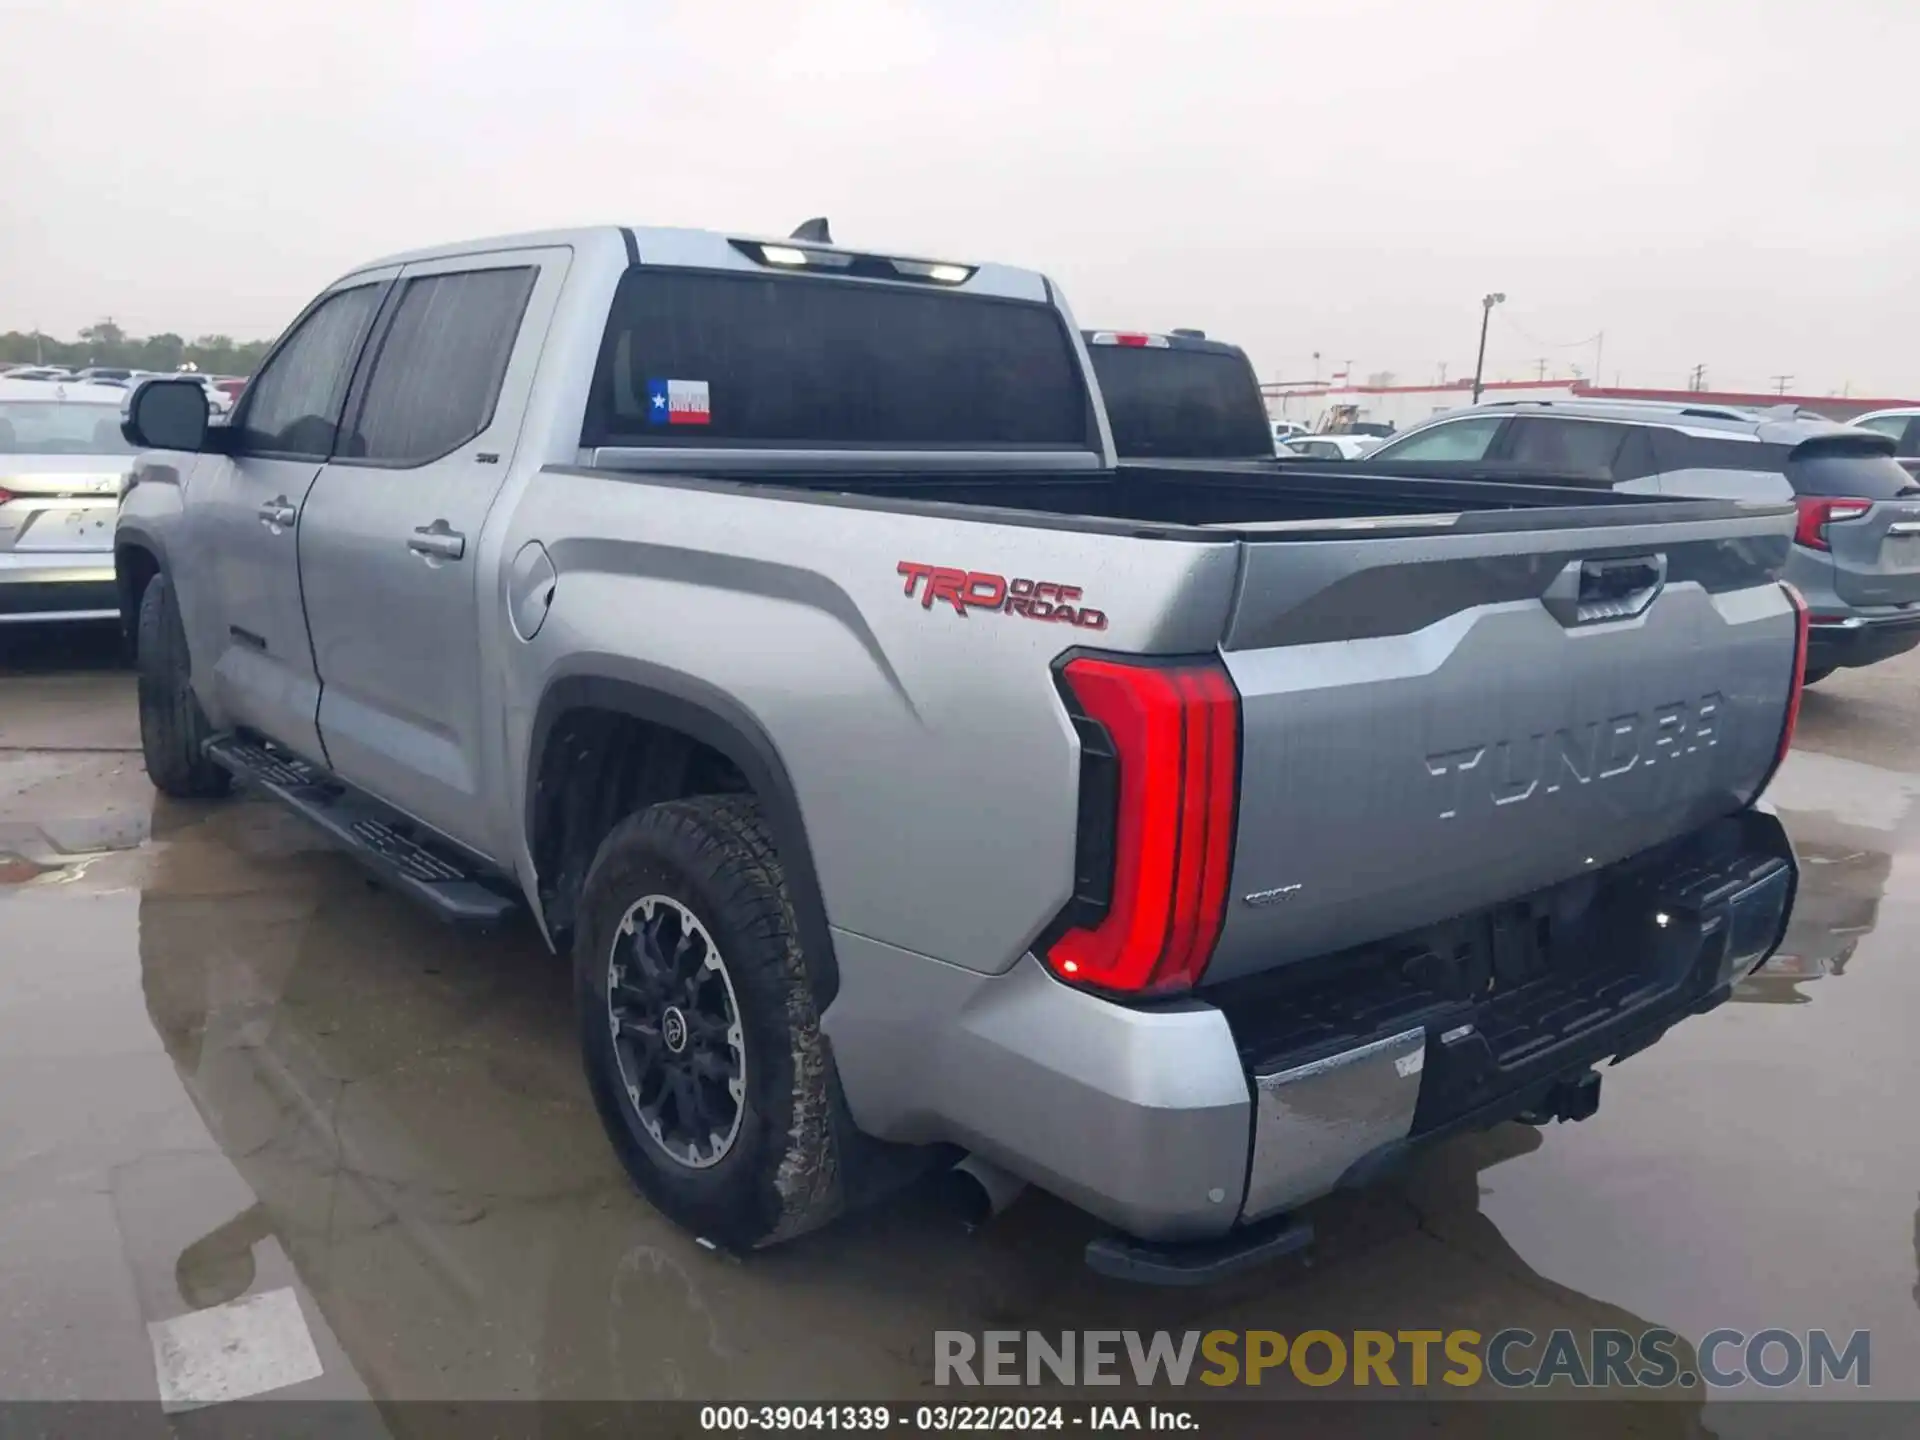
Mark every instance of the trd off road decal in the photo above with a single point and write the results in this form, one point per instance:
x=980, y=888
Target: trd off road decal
x=970, y=590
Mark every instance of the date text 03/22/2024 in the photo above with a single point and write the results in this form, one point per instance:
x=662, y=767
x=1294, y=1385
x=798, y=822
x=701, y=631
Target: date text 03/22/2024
x=942, y=1419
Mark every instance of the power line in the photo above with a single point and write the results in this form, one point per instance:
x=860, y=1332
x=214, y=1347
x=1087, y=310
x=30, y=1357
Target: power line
x=1532, y=339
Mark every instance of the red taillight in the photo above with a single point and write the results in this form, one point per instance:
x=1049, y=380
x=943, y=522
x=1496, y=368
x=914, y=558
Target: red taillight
x=1799, y=671
x=1817, y=512
x=5, y=496
x=1175, y=736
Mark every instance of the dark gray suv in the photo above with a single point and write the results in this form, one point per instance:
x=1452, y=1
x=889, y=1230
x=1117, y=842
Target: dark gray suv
x=1856, y=552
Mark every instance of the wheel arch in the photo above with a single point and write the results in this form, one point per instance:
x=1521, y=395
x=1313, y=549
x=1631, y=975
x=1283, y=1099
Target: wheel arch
x=137, y=559
x=679, y=703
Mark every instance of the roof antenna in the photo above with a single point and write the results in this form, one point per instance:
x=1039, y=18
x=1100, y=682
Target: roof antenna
x=814, y=230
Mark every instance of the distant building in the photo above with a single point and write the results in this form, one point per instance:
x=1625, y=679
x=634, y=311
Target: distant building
x=1404, y=405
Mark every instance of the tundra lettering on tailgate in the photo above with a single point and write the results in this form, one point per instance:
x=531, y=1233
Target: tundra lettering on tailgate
x=968, y=590
x=1513, y=771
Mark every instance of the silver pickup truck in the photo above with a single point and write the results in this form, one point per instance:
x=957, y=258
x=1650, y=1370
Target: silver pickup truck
x=910, y=782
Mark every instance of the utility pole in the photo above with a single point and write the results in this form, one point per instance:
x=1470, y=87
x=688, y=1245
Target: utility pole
x=1316, y=367
x=1697, y=378
x=1599, y=353
x=1443, y=373
x=1780, y=383
x=1487, y=302
x=1541, y=364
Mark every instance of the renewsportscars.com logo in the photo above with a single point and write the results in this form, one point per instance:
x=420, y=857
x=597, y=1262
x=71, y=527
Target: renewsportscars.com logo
x=1512, y=1358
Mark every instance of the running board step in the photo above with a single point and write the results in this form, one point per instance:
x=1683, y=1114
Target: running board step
x=379, y=838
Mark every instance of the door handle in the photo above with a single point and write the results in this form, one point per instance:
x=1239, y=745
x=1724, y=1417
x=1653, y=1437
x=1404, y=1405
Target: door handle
x=278, y=514
x=437, y=541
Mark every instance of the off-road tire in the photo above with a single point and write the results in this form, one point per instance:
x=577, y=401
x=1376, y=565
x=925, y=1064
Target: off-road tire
x=782, y=1175
x=172, y=726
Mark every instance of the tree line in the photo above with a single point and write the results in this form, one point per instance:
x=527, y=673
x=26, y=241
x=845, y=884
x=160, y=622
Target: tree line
x=105, y=343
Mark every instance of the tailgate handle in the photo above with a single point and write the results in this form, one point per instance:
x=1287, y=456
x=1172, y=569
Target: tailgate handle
x=1588, y=592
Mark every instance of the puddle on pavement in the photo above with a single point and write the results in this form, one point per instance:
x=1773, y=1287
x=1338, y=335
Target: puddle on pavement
x=63, y=849
x=405, y=1106
x=1838, y=905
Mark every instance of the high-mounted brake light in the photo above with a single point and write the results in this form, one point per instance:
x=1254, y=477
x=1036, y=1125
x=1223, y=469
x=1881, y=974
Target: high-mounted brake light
x=938, y=271
x=1132, y=338
x=795, y=257
x=1818, y=512
x=1171, y=734
x=783, y=256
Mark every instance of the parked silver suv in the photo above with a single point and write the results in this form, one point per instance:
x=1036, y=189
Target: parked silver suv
x=1856, y=551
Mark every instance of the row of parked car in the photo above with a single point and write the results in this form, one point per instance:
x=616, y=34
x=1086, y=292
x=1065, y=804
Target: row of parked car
x=1856, y=551
x=222, y=390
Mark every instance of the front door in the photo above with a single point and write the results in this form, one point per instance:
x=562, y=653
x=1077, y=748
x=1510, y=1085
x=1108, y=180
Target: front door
x=247, y=502
x=394, y=554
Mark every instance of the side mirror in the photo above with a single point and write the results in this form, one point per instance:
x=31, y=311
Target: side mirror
x=167, y=415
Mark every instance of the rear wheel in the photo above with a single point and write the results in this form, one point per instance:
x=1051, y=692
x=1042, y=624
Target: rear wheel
x=172, y=727
x=697, y=1017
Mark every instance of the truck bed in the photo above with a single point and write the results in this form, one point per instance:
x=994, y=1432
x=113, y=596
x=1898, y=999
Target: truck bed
x=1453, y=692
x=1244, y=498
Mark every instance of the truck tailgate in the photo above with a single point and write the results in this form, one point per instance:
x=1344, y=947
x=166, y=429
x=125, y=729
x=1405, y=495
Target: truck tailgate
x=1433, y=723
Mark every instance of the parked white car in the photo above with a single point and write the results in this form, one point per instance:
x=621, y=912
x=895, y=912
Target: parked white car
x=62, y=464
x=1903, y=426
x=1330, y=447
x=1285, y=430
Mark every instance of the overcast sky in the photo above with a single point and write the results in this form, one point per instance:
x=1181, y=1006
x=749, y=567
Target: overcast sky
x=1722, y=181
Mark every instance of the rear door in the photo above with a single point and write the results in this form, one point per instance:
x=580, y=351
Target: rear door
x=1874, y=542
x=391, y=550
x=246, y=506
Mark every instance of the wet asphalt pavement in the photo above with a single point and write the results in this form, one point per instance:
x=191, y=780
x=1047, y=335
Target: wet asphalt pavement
x=231, y=1068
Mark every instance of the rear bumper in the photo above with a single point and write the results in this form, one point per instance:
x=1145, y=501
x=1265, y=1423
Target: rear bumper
x=1863, y=637
x=49, y=585
x=1190, y=1121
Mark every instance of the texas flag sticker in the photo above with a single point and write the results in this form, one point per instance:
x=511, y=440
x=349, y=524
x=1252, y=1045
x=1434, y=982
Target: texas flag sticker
x=678, y=402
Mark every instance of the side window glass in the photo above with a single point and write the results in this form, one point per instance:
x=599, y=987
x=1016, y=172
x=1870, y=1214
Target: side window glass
x=436, y=373
x=1457, y=440
x=1892, y=426
x=292, y=406
x=1567, y=446
x=1909, y=447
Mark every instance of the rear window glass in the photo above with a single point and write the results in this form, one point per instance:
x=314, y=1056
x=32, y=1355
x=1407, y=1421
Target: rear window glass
x=1843, y=469
x=31, y=427
x=1181, y=404
x=704, y=358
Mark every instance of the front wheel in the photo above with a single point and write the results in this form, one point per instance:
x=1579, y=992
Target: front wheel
x=172, y=727
x=699, y=1026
